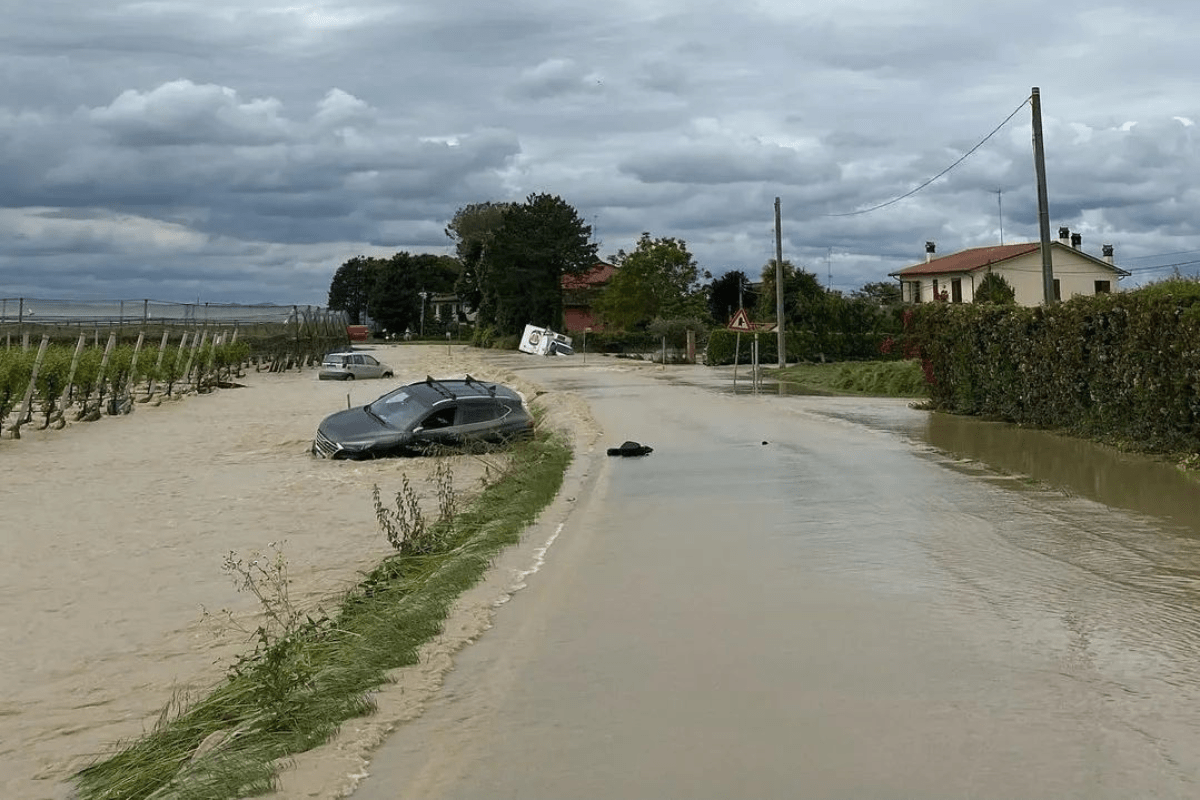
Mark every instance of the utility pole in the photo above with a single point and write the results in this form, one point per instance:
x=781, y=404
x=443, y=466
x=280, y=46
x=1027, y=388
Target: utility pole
x=779, y=286
x=1039, y=163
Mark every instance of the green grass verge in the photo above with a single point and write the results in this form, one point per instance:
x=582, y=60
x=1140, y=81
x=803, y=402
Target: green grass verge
x=864, y=378
x=295, y=691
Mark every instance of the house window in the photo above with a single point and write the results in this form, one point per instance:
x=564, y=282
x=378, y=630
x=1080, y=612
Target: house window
x=956, y=290
x=1103, y=287
x=914, y=291
x=1057, y=290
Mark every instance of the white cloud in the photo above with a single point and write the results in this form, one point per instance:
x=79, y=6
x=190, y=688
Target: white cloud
x=181, y=112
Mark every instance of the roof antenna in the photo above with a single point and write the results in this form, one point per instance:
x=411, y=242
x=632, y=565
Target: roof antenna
x=1000, y=206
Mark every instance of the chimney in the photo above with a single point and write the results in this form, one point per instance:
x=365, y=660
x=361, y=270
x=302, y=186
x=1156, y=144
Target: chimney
x=1064, y=235
x=1076, y=240
x=930, y=249
x=1108, y=253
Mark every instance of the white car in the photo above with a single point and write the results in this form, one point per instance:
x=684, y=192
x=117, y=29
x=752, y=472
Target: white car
x=349, y=366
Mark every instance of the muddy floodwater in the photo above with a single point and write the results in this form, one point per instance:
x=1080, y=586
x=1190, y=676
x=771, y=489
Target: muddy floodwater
x=113, y=599
x=830, y=598
x=791, y=596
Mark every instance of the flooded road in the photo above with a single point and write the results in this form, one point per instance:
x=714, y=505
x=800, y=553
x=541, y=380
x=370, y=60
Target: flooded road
x=828, y=598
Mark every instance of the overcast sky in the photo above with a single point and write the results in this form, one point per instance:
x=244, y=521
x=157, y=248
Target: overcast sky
x=228, y=151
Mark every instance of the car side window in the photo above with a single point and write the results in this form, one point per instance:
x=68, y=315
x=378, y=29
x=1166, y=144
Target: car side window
x=478, y=412
x=357, y=359
x=442, y=418
x=369, y=361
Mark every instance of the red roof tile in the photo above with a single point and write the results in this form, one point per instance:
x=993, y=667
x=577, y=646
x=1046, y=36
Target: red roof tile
x=968, y=260
x=598, y=275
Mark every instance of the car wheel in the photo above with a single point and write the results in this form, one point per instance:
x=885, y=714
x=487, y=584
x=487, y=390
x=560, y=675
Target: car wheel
x=349, y=376
x=387, y=374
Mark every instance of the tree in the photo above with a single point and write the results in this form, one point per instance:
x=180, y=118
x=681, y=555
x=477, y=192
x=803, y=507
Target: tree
x=350, y=289
x=804, y=298
x=658, y=280
x=472, y=230
x=396, y=298
x=519, y=272
x=995, y=289
x=728, y=293
x=883, y=293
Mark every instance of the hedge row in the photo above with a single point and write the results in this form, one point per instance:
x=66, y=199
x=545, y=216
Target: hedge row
x=1122, y=367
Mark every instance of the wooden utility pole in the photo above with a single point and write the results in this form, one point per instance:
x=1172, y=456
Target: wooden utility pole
x=1039, y=163
x=779, y=287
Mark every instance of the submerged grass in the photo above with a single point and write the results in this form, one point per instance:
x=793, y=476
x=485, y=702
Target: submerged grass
x=228, y=744
x=865, y=378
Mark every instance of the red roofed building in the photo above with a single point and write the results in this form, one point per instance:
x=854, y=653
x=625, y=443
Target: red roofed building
x=579, y=295
x=954, y=277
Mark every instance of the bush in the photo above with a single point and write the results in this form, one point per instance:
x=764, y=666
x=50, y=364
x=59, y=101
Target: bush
x=1122, y=367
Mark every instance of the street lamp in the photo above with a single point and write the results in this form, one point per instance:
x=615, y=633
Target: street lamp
x=424, y=297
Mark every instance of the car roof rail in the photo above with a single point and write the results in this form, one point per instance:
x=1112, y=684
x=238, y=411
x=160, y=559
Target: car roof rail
x=439, y=387
x=491, y=388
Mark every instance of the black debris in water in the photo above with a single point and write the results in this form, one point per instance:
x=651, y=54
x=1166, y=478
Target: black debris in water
x=631, y=449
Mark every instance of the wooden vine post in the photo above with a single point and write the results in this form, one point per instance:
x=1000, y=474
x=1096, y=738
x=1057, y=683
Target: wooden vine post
x=68, y=390
x=27, y=404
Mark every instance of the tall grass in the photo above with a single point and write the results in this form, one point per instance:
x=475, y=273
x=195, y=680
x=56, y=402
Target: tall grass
x=868, y=378
x=292, y=693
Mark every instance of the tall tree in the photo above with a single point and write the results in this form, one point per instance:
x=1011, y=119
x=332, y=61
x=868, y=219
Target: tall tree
x=658, y=280
x=397, y=300
x=472, y=230
x=521, y=268
x=728, y=293
x=350, y=289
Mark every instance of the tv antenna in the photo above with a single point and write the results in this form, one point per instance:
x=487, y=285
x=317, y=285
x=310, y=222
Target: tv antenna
x=1000, y=207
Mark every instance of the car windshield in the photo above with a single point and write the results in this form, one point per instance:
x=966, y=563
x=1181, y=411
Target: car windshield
x=399, y=409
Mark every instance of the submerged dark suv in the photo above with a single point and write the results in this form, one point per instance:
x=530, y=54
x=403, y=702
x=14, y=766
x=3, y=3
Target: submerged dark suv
x=432, y=413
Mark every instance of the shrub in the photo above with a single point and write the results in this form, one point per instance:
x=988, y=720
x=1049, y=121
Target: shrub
x=1122, y=367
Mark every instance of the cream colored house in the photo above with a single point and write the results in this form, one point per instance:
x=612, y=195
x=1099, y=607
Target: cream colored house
x=954, y=277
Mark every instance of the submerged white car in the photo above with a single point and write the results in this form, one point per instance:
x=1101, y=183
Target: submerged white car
x=349, y=366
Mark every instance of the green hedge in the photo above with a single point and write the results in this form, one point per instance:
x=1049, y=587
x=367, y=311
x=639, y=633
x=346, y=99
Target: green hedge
x=1121, y=367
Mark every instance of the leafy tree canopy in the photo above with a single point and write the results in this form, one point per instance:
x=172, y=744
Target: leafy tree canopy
x=728, y=293
x=659, y=279
x=396, y=301
x=350, y=289
x=472, y=230
x=884, y=293
x=519, y=274
x=803, y=295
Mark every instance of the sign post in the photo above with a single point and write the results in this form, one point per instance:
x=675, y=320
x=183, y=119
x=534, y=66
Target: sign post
x=740, y=323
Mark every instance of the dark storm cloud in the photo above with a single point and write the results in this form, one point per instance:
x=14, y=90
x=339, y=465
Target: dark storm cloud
x=246, y=150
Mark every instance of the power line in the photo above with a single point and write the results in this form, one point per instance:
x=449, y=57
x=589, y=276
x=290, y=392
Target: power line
x=1159, y=255
x=983, y=141
x=1165, y=266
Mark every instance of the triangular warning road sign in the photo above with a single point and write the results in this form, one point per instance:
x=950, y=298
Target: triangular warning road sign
x=740, y=321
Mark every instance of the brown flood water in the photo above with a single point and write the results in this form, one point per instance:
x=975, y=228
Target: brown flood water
x=792, y=596
x=828, y=598
x=113, y=536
